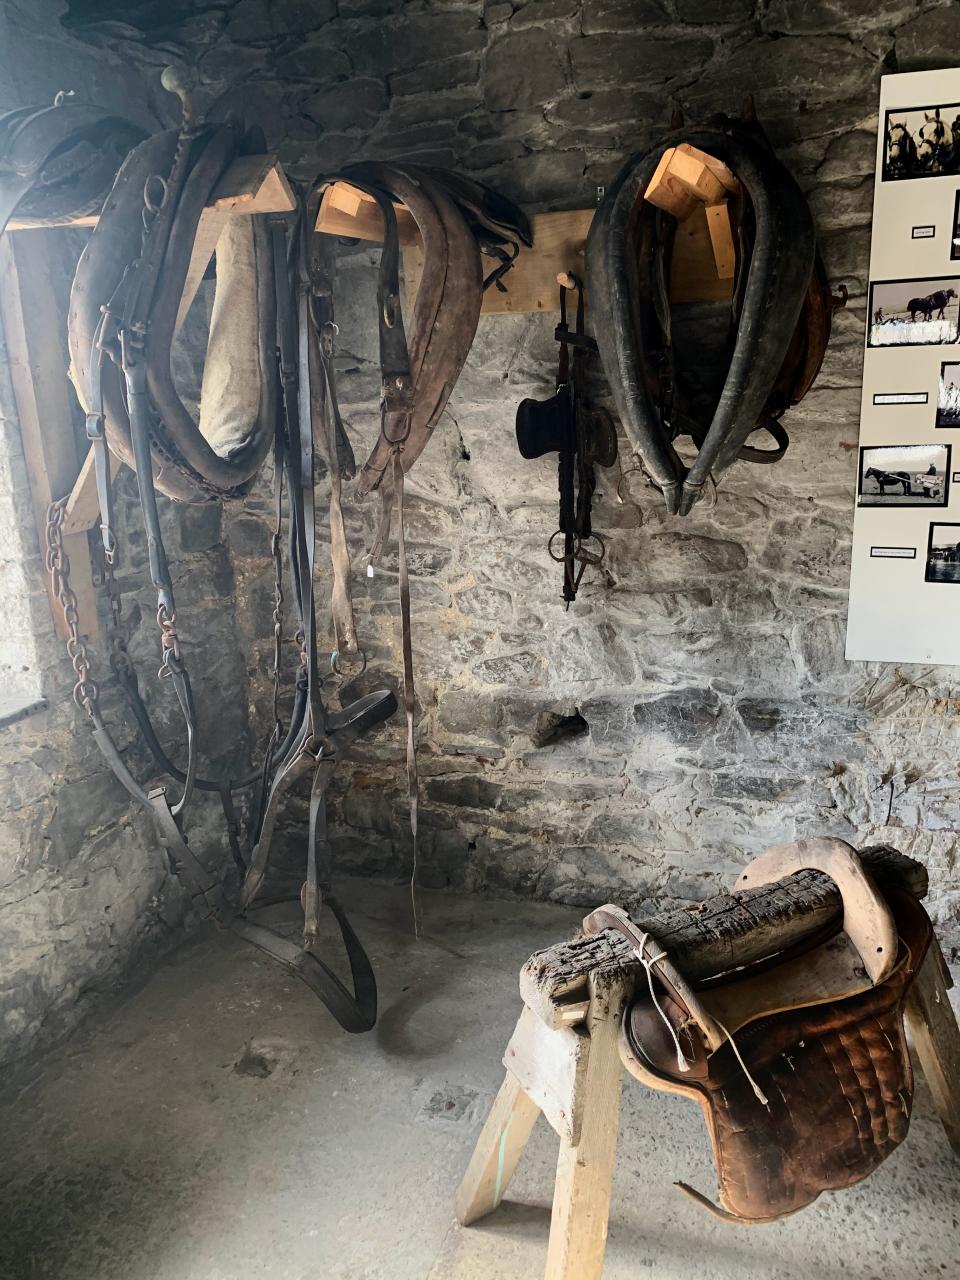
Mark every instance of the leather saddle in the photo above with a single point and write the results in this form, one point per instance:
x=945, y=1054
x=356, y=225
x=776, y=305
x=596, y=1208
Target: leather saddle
x=799, y=1061
x=715, y=373
x=60, y=161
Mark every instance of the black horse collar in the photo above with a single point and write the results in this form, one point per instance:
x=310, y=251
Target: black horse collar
x=628, y=264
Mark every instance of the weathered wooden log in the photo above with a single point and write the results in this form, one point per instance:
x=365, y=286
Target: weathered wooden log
x=713, y=937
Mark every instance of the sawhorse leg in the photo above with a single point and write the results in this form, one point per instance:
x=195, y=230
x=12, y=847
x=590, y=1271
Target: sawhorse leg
x=574, y=1077
x=936, y=1038
x=498, y=1149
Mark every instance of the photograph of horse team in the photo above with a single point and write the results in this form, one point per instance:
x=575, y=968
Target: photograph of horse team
x=914, y=313
x=922, y=142
x=904, y=475
x=943, y=553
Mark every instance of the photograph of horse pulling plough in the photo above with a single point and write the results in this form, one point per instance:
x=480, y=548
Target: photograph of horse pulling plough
x=914, y=313
x=909, y=475
x=922, y=142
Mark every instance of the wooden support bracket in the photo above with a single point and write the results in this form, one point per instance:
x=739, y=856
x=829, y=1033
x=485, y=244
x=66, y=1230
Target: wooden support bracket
x=31, y=320
x=252, y=184
x=688, y=183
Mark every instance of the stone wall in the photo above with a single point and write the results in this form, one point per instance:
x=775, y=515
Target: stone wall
x=85, y=894
x=695, y=704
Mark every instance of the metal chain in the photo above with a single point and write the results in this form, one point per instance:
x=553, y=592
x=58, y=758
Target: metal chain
x=85, y=691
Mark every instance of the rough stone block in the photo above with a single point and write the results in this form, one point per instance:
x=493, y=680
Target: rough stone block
x=636, y=58
x=349, y=104
x=419, y=40
x=929, y=39
x=685, y=717
x=522, y=69
x=624, y=15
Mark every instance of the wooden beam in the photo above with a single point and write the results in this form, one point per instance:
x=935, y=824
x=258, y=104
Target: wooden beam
x=83, y=505
x=252, y=184
x=559, y=240
x=33, y=328
x=726, y=931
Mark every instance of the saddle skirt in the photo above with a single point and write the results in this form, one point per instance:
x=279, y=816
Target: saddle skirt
x=804, y=1086
x=60, y=161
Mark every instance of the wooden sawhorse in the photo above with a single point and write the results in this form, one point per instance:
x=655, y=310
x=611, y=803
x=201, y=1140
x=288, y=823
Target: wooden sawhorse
x=564, y=1058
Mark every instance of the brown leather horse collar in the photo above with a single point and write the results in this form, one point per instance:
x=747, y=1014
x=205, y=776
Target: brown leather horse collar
x=780, y=311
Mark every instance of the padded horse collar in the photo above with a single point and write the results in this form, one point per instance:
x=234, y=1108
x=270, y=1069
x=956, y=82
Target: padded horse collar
x=799, y=1062
x=59, y=161
x=130, y=282
x=772, y=361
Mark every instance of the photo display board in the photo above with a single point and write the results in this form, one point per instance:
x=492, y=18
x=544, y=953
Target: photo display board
x=905, y=570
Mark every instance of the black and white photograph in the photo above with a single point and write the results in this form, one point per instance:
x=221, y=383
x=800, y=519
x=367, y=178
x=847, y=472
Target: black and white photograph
x=943, y=553
x=908, y=475
x=955, y=232
x=948, y=394
x=914, y=313
x=921, y=142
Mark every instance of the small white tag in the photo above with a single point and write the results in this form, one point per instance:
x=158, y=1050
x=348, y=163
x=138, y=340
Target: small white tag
x=369, y=570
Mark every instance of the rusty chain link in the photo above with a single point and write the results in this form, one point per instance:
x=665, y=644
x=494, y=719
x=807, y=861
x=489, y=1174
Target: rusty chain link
x=85, y=691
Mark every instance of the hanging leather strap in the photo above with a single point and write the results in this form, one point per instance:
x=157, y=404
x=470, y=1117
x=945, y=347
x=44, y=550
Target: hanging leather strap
x=409, y=691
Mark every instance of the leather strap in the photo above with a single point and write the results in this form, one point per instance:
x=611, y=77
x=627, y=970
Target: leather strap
x=409, y=692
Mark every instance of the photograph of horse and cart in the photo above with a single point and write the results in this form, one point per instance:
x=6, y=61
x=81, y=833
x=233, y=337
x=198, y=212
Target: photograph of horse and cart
x=909, y=475
x=943, y=553
x=911, y=313
x=922, y=142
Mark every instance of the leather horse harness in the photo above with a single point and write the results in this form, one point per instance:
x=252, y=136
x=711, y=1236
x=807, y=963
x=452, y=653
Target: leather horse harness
x=778, y=321
x=459, y=221
x=268, y=388
x=799, y=1061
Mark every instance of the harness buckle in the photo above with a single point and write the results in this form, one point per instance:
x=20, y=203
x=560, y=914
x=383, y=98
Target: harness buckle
x=95, y=426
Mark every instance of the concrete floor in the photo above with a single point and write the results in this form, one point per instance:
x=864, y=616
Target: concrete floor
x=217, y=1125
